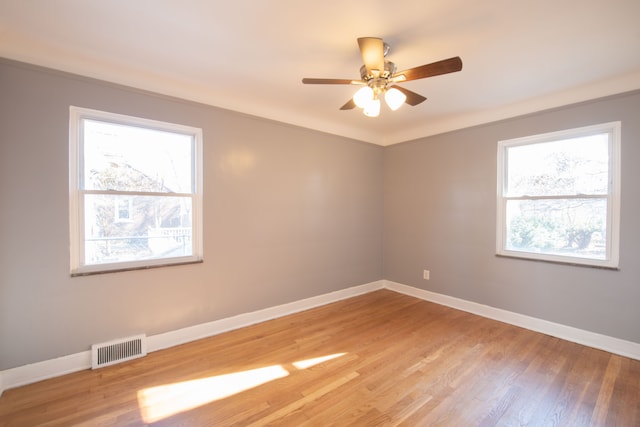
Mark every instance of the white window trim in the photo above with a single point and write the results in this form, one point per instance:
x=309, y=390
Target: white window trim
x=76, y=212
x=613, y=204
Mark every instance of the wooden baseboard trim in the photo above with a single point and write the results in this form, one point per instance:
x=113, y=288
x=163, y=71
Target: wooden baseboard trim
x=46, y=369
x=591, y=339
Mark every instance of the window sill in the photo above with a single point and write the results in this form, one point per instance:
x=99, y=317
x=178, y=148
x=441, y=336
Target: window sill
x=93, y=270
x=561, y=262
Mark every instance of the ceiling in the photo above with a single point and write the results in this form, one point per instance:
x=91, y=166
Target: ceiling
x=250, y=55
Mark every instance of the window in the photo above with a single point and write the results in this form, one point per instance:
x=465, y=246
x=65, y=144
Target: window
x=123, y=209
x=135, y=192
x=559, y=196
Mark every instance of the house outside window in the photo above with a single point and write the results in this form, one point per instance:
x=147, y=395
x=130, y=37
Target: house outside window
x=135, y=192
x=123, y=209
x=559, y=196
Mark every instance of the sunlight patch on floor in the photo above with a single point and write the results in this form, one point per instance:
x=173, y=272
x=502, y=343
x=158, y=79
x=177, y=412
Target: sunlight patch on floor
x=158, y=403
x=304, y=364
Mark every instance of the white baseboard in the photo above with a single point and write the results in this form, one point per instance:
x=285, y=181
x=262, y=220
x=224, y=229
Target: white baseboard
x=39, y=371
x=46, y=369
x=204, y=330
x=569, y=333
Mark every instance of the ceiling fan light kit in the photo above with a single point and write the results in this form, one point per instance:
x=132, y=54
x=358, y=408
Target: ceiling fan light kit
x=372, y=109
x=379, y=78
x=363, y=96
x=394, y=98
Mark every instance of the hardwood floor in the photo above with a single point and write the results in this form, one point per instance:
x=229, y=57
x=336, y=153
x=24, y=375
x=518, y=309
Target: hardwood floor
x=377, y=359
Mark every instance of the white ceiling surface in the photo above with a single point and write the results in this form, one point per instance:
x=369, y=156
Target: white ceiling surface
x=250, y=55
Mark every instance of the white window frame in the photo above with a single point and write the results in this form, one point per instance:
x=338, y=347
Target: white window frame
x=78, y=267
x=613, y=129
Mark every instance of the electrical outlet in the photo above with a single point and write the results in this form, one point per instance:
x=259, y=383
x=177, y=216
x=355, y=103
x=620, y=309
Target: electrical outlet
x=425, y=274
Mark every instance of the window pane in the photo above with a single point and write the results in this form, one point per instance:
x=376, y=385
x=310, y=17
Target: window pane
x=156, y=227
x=567, y=167
x=126, y=158
x=570, y=227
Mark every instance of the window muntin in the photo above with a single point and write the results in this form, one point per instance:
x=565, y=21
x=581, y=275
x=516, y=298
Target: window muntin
x=559, y=195
x=135, y=192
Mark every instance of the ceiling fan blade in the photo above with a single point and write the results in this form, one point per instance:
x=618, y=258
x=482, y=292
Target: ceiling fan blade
x=312, y=81
x=372, y=50
x=445, y=66
x=413, y=98
x=350, y=105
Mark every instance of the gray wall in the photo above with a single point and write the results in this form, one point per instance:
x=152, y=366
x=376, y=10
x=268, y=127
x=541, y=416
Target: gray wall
x=289, y=213
x=439, y=215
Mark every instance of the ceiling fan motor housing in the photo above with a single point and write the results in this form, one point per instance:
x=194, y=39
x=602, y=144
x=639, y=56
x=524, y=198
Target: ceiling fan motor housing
x=389, y=70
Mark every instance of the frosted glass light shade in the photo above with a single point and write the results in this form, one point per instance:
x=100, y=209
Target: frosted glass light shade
x=363, y=96
x=372, y=109
x=394, y=98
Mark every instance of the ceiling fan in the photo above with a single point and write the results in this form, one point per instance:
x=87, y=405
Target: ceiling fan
x=379, y=78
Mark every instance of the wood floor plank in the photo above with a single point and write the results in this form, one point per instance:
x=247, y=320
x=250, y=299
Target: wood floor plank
x=380, y=359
